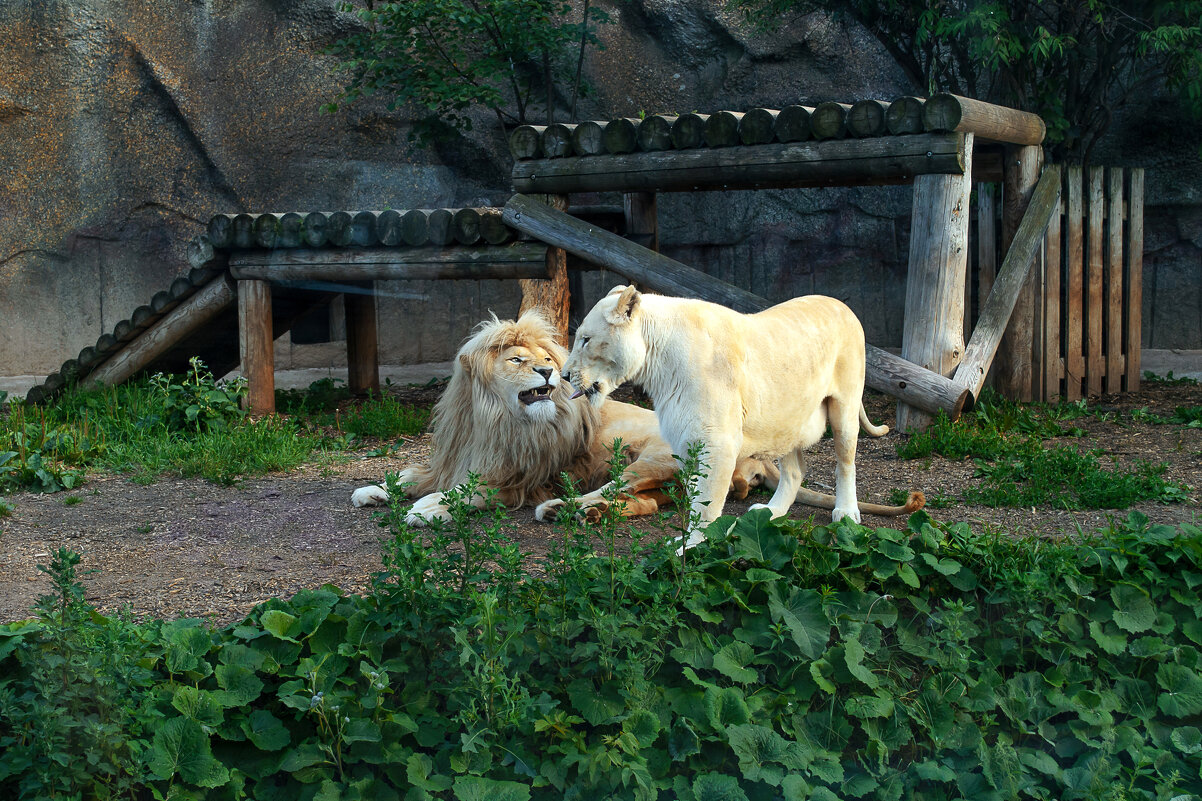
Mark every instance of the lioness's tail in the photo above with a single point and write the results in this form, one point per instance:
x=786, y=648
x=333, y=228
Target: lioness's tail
x=866, y=424
x=913, y=503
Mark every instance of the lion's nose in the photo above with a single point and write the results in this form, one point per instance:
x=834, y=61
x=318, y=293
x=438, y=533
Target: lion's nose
x=545, y=372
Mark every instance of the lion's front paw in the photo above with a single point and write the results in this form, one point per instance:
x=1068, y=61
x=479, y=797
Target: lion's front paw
x=839, y=514
x=369, y=496
x=547, y=510
x=427, y=510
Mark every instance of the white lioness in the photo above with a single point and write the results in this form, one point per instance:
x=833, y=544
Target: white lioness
x=761, y=386
x=507, y=417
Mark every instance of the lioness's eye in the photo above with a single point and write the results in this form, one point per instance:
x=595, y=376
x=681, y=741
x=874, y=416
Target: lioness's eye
x=584, y=341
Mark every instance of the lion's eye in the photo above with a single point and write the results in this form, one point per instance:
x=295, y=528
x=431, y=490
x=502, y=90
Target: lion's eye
x=517, y=360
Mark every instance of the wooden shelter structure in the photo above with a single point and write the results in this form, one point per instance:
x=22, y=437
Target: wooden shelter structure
x=250, y=272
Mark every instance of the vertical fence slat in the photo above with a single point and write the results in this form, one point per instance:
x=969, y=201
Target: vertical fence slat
x=1134, y=277
x=1053, y=364
x=986, y=241
x=1095, y=365
x=1114, y=281
x=1074, y=361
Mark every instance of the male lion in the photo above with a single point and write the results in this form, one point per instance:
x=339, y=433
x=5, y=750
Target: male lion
x=507, y=417
x=760, y=386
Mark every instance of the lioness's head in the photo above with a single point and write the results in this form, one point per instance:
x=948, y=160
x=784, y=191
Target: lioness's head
x=609, y=348
x=514, y=366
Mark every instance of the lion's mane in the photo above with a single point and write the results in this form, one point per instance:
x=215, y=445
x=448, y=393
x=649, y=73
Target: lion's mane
x=474, y=430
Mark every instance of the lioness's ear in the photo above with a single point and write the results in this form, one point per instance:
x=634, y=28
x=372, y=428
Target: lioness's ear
x=628, y=301
x=616, y=290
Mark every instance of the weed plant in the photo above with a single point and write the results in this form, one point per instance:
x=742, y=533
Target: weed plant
x=778, y=661
x=1016, y=468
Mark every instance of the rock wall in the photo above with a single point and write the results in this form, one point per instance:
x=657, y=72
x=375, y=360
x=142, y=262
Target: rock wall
x=125, y=125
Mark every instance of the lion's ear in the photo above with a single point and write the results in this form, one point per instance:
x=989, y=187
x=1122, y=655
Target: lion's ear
x=628, y=301
x=465, y=363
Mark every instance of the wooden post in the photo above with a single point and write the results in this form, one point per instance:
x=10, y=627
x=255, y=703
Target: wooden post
x=1114, y=282
x=1013, y=367
x=933, y=326
x=1135, y=277
x=986, y=244
x=1053, y=364
x=362, y=343
x=256, y=348
x=551, y=294
x=1095, y=363
x=1074, y=320
x=641, y=226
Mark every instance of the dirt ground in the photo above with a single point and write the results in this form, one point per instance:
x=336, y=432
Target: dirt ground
x=187, y=548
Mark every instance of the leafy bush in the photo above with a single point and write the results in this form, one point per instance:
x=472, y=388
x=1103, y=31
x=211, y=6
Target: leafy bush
x=775, y=661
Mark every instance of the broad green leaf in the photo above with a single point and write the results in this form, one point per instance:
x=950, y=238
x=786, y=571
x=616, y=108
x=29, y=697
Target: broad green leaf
x=187, y=645
x=361, y=730
x=1133, y=609
x=761, y=750
x=644, y=725
x=795, y=788
x=1187, y=739
x=895, y=551
x=478, y=788
x=1111, y=641
x=418, y=773
x=596, y=706
x=239, y=684
x=803, y=617
x=717, y=787
x=944, y=566
x=853, y=654
x=197, y=705
x=907, y=574
x=868, y=706
x=182, y=749
x=1181, y=690
x=932, y=771
x=682, y=740
x=694, y=651
x=1041, y=761
x=821, y=672
x=761, y=540
x=266, y=731
x=732, y=659
x=725, y=707
x=278, y=622
x=757, y=575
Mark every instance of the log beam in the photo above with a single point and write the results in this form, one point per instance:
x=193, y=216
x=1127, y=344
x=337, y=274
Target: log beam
x=658, y=273
x=933, y=325
x=519, y=260
x=156, y=340
x=836, y=162
x=947, y=112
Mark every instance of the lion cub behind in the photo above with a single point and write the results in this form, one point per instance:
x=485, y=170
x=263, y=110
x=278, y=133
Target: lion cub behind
x=762, y=385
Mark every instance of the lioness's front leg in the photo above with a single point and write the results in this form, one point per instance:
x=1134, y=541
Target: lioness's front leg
x=709, y=491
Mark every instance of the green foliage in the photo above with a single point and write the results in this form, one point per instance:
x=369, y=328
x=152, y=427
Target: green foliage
x=384, y=418
x=781, y=660
x=1169, y=380
x=1074, y=63
x=1015, y=468
x=196, y=400
x=444, y=57
x=322, y=395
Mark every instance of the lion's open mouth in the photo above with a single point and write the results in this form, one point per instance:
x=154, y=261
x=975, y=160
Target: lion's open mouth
x=535, y=395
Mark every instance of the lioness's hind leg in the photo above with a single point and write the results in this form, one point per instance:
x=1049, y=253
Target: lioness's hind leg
x=845, y=425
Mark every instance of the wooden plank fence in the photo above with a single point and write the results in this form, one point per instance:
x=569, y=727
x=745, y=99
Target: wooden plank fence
x=1089, y=282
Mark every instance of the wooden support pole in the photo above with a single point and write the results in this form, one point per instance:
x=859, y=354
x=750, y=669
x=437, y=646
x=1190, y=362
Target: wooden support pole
x=1095, y=359
x=658, y=273
x=1016, y=267
x=158, y=338
x=1114, y=281
x=641, y=225
x=933, y=325
x=1133, y=297
x=1053, y=363
x=362, y=341
x=551, y=294
x=255, y=345
x=1014, y=373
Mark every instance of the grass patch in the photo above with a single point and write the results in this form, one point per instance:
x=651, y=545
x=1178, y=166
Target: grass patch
x=1015, y=468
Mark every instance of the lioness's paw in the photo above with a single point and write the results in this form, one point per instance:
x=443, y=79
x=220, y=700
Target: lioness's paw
x=839, y=514
x=547, y=510
x=369, y=496
x=427, y=509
